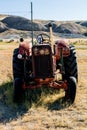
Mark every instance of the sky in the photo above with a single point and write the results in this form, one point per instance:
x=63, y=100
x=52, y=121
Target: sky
x=60, y=10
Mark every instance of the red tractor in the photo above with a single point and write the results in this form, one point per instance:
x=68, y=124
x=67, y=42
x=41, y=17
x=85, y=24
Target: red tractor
x=41, y=64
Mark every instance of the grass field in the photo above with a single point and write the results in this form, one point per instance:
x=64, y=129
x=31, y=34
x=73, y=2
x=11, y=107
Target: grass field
x=47, y=113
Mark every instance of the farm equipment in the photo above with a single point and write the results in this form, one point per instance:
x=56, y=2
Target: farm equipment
x=42, y=64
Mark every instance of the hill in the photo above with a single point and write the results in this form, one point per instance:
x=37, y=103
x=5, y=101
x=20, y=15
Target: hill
x=16, y=26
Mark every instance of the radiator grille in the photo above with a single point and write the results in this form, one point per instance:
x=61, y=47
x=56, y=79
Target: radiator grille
x=42, y=61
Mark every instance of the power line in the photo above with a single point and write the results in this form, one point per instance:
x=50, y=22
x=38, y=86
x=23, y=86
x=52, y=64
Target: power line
x=16, y=12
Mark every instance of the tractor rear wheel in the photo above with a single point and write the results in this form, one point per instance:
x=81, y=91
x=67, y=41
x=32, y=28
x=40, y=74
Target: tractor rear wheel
x=70, y=93
x=70, y=65
x=18, y=96
x=71, y=74
x=18, y=74
x=18, y=65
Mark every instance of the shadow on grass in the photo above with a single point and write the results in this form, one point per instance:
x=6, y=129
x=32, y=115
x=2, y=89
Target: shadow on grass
x=59, y=104
x=8, y=110
x=11, y=111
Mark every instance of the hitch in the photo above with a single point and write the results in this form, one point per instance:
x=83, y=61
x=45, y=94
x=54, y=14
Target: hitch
x=59, y=85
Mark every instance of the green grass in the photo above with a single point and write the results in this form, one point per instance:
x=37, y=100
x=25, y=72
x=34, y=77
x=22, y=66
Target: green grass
x=45, y=97
x=80, y=42
x=6, y=93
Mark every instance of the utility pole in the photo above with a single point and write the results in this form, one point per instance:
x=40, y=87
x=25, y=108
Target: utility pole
x=32, y=22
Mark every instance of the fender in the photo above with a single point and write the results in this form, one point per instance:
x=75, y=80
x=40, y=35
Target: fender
x=61, y=45
x=24, y=50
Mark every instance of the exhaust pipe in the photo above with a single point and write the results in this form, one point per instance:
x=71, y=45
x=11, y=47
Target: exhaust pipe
x=51, y=37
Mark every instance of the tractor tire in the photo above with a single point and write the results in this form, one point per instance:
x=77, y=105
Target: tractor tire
x=18, y=65
x=18, y=95
x=70, y=93
x=18, y=75
x=70, y=65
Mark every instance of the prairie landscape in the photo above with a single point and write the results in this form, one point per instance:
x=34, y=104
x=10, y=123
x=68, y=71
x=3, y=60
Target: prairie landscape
x=47, y=113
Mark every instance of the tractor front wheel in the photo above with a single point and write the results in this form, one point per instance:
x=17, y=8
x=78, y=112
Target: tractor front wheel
x=70, y=93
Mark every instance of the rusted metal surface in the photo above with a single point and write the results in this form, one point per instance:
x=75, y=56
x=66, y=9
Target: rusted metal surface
x=61, y=45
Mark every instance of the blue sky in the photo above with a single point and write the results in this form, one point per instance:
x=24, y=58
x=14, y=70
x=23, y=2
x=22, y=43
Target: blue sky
x=60, y=10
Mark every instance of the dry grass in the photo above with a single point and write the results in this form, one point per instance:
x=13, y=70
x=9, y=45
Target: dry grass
x=47, y=113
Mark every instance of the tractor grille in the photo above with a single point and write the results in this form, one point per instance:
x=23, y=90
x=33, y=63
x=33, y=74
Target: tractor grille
x=42, y=61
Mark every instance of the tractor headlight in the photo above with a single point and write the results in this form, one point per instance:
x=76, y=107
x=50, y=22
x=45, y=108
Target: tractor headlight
x=47, y=51
x=41, y=52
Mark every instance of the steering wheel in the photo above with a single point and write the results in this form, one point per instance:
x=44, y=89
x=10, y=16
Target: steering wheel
x=43, y=38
